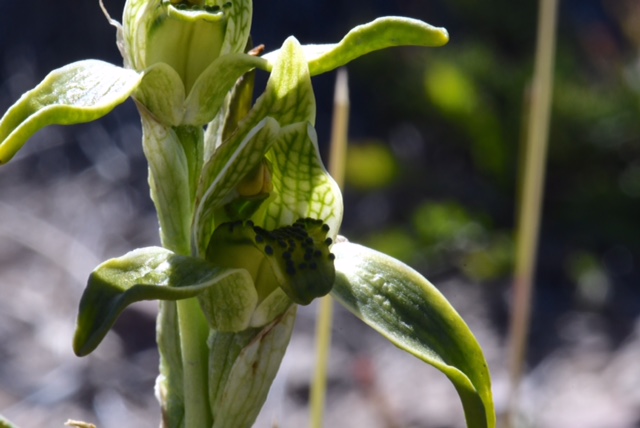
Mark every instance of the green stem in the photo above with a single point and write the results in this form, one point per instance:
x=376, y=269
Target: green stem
x=532, y=190
x=193, y=343
x=325, y=316
x=190, y=329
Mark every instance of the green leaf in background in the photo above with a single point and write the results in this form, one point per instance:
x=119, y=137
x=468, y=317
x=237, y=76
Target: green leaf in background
x=151, y=273
x=411, y=313
x=77, y=93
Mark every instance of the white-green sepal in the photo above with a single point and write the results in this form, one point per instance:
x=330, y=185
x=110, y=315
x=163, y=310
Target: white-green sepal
x=270, y=308
x=224, y=171
x=379, y=34
x=77, y=93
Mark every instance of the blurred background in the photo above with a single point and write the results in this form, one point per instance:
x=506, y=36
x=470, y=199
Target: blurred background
x=432, y=179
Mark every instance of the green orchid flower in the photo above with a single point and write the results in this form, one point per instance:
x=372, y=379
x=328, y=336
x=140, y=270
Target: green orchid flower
x=249, y=217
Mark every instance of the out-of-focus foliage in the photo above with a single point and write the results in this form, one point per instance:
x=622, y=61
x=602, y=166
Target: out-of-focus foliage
x=459, y=153
x=371, y=166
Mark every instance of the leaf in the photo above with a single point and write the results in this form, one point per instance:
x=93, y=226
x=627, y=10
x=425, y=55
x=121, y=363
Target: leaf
x=379, y=34
x=77, y=93
x=411, y=313
x=151, y=273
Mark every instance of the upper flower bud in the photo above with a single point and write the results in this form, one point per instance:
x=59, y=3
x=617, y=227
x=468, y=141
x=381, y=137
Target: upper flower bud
x=187, y=35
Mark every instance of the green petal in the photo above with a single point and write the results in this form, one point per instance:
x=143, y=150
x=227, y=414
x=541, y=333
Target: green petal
x=229, y=165
x=230, y=304
x=409, y=311
x=77, y=93
x=213, y=85
x=145, y=274
x=304, y=188
x=379, y=34
x=288, y=97
x=161, y=92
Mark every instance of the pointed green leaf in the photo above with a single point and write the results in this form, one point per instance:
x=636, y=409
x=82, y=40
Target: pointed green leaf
x=145, y=274
x=411, y=313
x=77, y=93
x=379, y=34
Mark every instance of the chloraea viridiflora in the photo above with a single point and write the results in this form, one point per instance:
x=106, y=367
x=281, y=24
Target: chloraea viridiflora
x=248, y=215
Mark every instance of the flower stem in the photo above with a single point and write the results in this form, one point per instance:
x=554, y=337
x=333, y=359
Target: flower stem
x=193, y=343
x=531, y=200
x=325, y=315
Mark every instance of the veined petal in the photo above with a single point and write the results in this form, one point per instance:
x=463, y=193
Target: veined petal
x=224, y=171
x=302, y=185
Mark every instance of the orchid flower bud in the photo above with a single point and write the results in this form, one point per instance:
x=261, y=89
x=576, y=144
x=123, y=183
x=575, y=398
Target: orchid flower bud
x=187, y=35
